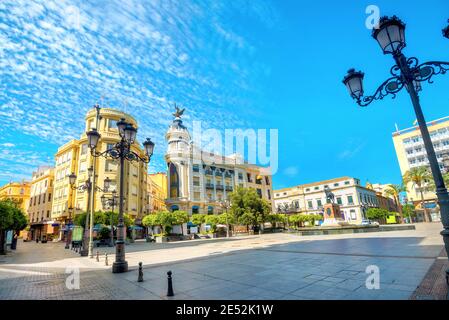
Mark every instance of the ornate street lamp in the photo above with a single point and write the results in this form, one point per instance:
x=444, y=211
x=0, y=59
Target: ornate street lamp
x=122, y=151
x=86, y=187
x=110, y=203
x=410, y=74
x=446, y=31
x=68, y=226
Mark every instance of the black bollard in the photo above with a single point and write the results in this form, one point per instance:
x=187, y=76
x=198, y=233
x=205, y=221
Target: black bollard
x=106, y=259
x=170, y=285
x=98, y=256
x=140, y=277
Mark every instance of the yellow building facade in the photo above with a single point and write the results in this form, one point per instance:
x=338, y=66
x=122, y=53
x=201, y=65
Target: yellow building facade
x=411, y=153
x=39, y=209
x=75, y=157
x=18, y=192
x=157, y=191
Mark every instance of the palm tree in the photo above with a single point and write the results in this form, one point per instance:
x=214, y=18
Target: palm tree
x=432, y=186
x=394, y=190
x=420, y=177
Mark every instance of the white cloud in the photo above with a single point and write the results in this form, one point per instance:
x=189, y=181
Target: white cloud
x=291, y=171
x=147, y=53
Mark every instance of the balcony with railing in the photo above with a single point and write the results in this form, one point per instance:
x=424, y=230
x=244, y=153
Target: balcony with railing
x=219, y=187
x=229, y=188
x=209, y=185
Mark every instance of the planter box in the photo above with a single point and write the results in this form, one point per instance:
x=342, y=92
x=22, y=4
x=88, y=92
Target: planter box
x=161, y=239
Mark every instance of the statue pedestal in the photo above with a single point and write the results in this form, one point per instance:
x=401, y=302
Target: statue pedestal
x=332, y=216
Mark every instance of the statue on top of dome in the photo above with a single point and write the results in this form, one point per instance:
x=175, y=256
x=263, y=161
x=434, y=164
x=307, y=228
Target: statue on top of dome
x=178, y=112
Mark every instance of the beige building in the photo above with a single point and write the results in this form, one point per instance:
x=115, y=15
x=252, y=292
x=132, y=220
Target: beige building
x=157, y=191
x=310, y=198
x=19, y=192
x=411, y=153
x=198, y=181
x=75, y=157
x=39, y=209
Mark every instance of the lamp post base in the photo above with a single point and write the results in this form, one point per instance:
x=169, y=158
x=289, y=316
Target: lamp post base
x=84, y=253
x=120, y=267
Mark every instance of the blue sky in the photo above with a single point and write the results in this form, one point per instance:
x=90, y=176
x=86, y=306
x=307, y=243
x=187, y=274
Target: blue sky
x=232, y=64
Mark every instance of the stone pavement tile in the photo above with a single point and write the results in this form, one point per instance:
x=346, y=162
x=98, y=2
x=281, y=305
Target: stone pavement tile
x=350, y=284
x=334, y=279
x=337, y=293
x=315, y=277
x=392, y=294
x=283, y=285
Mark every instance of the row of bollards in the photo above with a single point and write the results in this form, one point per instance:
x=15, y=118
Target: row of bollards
x=170, y=292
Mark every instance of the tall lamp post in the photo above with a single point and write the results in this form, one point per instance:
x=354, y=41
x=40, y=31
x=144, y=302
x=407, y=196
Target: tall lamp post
x=69, y=231
x=110, y=203
x=87, y=186
x=122, y=151
x=410, y=74
x=226, y=204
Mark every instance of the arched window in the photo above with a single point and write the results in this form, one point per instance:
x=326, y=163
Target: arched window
x=174, y=181
x=210, y=210
x=174, y=208
x=195, y=209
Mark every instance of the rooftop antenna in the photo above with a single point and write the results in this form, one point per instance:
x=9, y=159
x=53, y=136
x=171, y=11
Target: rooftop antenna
x=397, y=128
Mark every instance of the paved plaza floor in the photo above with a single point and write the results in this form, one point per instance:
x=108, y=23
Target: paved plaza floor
x=271, y=266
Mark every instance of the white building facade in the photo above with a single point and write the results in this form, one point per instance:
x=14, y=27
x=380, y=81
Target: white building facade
x=310, y=198
x=198, y=181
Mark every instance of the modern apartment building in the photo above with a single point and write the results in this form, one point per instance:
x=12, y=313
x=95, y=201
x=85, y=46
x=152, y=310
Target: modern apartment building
x=39, y=209
x=310, y=198
x=411, y=153
x=157, y=191
x=198, y=181
x=19, y=192
x=75, y=157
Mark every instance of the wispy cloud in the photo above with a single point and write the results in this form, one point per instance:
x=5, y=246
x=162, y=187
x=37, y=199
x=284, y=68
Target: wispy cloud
x=353, y=147
x=59, y=57
x=291, y=171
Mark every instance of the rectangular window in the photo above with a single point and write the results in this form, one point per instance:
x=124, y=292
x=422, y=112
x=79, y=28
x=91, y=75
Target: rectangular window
x=269, y=194
x=350, y=200
x=240, y=176
x=196, y=168
x=259, y=192
x=339, y=201
x=49, y=197
x=310, y=204
x=319, y=203
x=267, y=180
x=111, y=166
x=196, y=181
x=112, y=124
x=353, y=214
x=83, y=149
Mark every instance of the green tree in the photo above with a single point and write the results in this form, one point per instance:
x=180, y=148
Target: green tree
x=247, y=205
x=419, y=177
x=377, y=214
x=11, y=218
x=212, y=220
x=198, y=218
x=6, y=222
x=409, y=211
x=150, y=220
x=394, y=190
x=103, y=218
x=180, y=217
